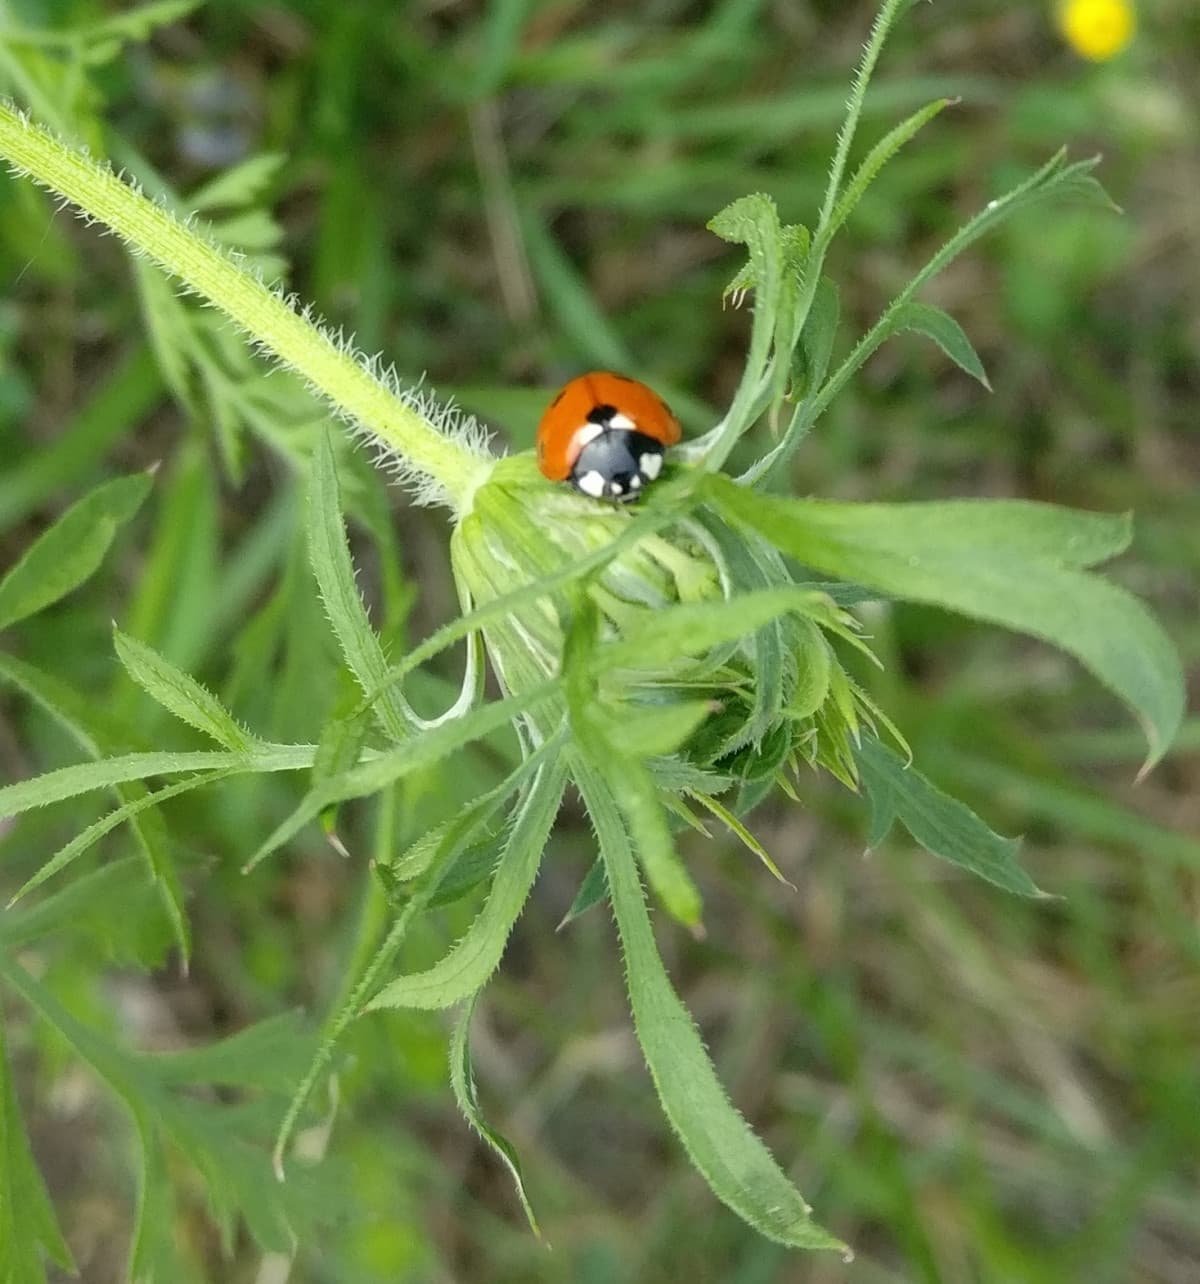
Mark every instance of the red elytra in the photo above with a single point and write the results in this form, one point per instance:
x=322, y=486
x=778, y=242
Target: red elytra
x=605, y=433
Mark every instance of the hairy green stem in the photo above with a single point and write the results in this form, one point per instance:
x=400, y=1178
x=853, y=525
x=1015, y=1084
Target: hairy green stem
x=267, y=318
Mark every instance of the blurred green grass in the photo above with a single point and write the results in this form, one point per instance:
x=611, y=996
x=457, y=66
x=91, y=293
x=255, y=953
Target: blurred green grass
x=968, y=1087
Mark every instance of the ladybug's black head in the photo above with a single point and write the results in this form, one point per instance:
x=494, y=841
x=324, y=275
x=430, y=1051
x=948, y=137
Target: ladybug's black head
x=617, y=462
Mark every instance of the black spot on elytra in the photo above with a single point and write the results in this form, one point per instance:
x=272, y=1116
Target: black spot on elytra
x=601, y=414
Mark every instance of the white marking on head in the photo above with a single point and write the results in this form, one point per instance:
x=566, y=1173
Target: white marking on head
x=621, y=421
x=586, y=433
x=591, y=484
x=650, y=465
x=635, y=482
x=615, y=488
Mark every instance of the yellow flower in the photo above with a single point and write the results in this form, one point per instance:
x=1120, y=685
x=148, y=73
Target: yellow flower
x=1097, y=29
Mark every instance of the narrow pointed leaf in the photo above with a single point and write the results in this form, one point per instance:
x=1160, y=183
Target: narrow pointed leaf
x=110, y=909
x=462, y=1080
x=941, y=327
x=265, y=1055
x=154, y=1258
x=629, y=780
x=693, y=628
x=62, y=558
x=878, y=157
x=437, y=868
x=735, y=827
x=1006, y=563
x=1025, y=528
x=88, y=838
x=477, y=955
x=240, y=185
x=653, y=731
x=179, y=693
x=820, y=332
x=85, y=777
x=29, y=1230
x=735, y=1163
x=592, y=891
x=941, y=824
x=413, y=754
x=334, y=572
x=666, y=873
x=89, y=728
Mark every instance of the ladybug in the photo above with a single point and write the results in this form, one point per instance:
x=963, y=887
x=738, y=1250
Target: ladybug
x=605, y=434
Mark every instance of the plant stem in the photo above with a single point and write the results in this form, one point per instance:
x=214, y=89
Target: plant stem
x=267, y=319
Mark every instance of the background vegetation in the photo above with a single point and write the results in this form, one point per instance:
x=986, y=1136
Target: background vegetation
x=970, y=1086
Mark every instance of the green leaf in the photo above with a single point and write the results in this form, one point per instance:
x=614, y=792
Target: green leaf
x=85, y=721
x=752, y=221
x=1056, y=179
x=267, y=1055
x=88, y=727
x=223, y=1141
x=177, y=587
x=339, y=748
x=62, y=558
x=109, y=909
x=737, y=1166
x=29, y=1230
x=651, y=731
x=1007, y=563
x=661, y=637
x=84, y=841
x=341, y=745
x=85, y=777
x=226, y=1144
x=941, y=327
x=1073, y=811
x=334, y=573
x=666, y=873
x=476, y=955
x=475, y=865
x=878, y=157
x=242, y=185
x=462, y=1080
x=415, y=754
x=735, y=827
x=180, y=694
x=941, y=824
x=154, y=1257
x=754, y=564
x=169, y=330
x=814, y=665
x=629, y=780
x=810, y=362
x=437, y=866
x=818, y=335
x=592, y=891
x=1025, y=528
